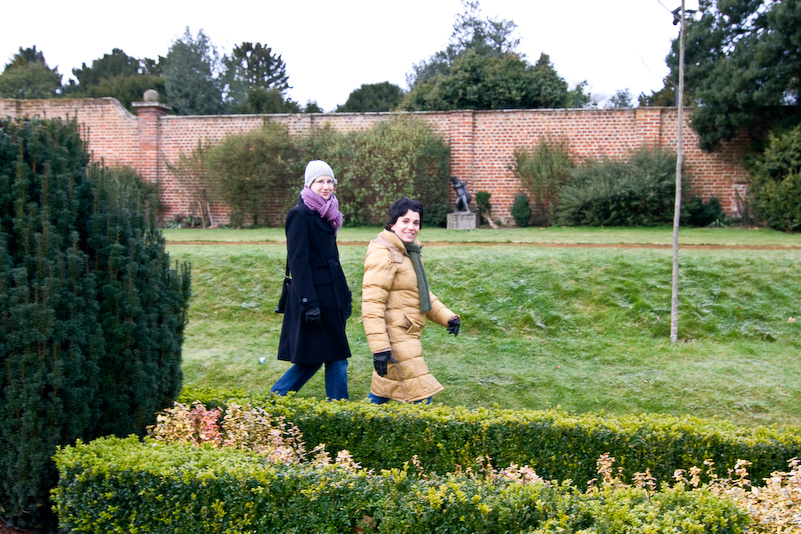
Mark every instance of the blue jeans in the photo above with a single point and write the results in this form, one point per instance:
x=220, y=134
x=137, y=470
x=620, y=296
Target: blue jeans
x=336, y=379
x=383, y=400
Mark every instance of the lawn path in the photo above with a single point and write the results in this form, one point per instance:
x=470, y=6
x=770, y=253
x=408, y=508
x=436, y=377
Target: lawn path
x=545, y=245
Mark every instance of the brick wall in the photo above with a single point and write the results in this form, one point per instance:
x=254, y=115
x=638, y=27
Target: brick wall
x=482, y=142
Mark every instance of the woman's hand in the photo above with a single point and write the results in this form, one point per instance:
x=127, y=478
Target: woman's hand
x=453, y=326
x=380, y=362
x=313, y=316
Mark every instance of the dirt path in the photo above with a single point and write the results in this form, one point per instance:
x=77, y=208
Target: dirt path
x=543, y=245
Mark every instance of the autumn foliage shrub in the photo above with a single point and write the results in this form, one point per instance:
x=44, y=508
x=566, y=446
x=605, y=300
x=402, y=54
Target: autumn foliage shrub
x=239, y=427
x=774, y=504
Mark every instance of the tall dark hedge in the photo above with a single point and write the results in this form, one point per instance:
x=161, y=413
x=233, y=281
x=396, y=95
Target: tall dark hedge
x=91, y=313
x=636, y=191
x=775, y=187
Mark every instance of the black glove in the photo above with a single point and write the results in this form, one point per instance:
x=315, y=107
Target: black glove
x=348, y=310
x=313, y=316
x=453, y=326
x=380, y=362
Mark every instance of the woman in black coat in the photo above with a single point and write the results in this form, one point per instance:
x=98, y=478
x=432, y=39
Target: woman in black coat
x=319, y=301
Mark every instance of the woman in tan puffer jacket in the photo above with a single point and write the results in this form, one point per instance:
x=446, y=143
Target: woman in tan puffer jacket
x=394, y=313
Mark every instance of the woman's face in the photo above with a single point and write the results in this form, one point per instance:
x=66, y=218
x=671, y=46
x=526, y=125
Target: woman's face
x=407, y=226
x=323, y=186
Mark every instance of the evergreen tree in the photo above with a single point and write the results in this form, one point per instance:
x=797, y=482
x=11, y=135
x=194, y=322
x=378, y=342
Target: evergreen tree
x=126, y=89
x=256, y=66
x=486, y=82
x=775, y=187
x=191, y=79
x=480, y=69
x=256, y=81
x=743, y=59
x=117, y=75
x=577, y=98
x=26, y=56
x=118, y=63
x=28, y=76
x=382, y=96
x=91, y=314
x=485, y=37
x=312, y=107
x=661, y=98
x=621, y=99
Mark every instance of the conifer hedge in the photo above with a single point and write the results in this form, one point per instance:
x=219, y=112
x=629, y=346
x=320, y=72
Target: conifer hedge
x=91, y=313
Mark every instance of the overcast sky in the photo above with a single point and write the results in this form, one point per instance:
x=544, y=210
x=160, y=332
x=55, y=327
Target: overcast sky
x=333, y=47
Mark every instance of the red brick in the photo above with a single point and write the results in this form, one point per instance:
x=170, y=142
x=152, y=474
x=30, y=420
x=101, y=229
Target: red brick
x=482, y=142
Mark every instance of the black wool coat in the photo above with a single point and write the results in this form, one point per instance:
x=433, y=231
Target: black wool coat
x=317, y=281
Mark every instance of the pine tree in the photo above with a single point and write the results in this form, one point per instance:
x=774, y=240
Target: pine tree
x=191, y=76
x=91, y=313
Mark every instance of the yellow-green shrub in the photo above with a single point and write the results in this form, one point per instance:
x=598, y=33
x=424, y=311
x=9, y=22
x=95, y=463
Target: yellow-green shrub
x=116, y=485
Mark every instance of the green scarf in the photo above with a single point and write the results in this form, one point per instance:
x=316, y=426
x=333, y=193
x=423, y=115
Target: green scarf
x=422, y=281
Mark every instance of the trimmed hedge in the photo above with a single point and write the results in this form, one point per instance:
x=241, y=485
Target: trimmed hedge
x=560, y=446
x=115, y=485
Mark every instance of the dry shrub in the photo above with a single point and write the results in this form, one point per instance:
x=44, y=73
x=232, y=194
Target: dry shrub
x=240, y=427
x=774, y=507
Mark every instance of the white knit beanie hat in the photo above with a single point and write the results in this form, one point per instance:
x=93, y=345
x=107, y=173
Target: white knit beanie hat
x=315, y=169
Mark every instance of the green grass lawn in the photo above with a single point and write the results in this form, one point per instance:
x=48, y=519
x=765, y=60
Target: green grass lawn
x=582, y=328
x=662, y=236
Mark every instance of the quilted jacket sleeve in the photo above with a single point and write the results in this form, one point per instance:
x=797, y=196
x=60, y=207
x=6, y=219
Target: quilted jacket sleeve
x=439, y=312
x=379, y=275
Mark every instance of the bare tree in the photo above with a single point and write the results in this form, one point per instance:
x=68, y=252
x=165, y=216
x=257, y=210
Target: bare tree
x=674, y=302
x=190, y=171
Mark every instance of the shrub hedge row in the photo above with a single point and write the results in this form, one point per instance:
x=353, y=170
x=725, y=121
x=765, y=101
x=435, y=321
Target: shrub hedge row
x=558, y=445
x=116, y=485
x=258, y=174
x=637, y=191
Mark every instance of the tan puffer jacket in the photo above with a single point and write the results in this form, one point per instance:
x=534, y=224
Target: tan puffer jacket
x=393, y=321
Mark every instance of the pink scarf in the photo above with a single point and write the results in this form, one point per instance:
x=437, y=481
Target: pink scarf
x=328, y=209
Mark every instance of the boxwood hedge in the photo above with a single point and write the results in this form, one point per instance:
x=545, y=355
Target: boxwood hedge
x=126, y=486
x=558, y=445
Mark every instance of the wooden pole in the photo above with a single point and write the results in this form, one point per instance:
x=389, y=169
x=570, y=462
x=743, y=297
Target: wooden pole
x=674, y=305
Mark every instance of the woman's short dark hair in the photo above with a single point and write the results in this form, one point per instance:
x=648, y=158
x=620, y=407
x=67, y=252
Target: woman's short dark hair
x=400, y=207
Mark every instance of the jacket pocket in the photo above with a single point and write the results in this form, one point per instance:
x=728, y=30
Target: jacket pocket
x=410, y=326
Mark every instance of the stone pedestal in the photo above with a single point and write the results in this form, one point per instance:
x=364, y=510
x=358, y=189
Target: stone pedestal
x=463, y=220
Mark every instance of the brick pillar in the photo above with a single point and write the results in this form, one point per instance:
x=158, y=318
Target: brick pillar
x=149, y=113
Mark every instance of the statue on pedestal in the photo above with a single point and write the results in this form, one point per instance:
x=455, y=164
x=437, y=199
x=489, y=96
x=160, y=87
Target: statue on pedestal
x=463, y=197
